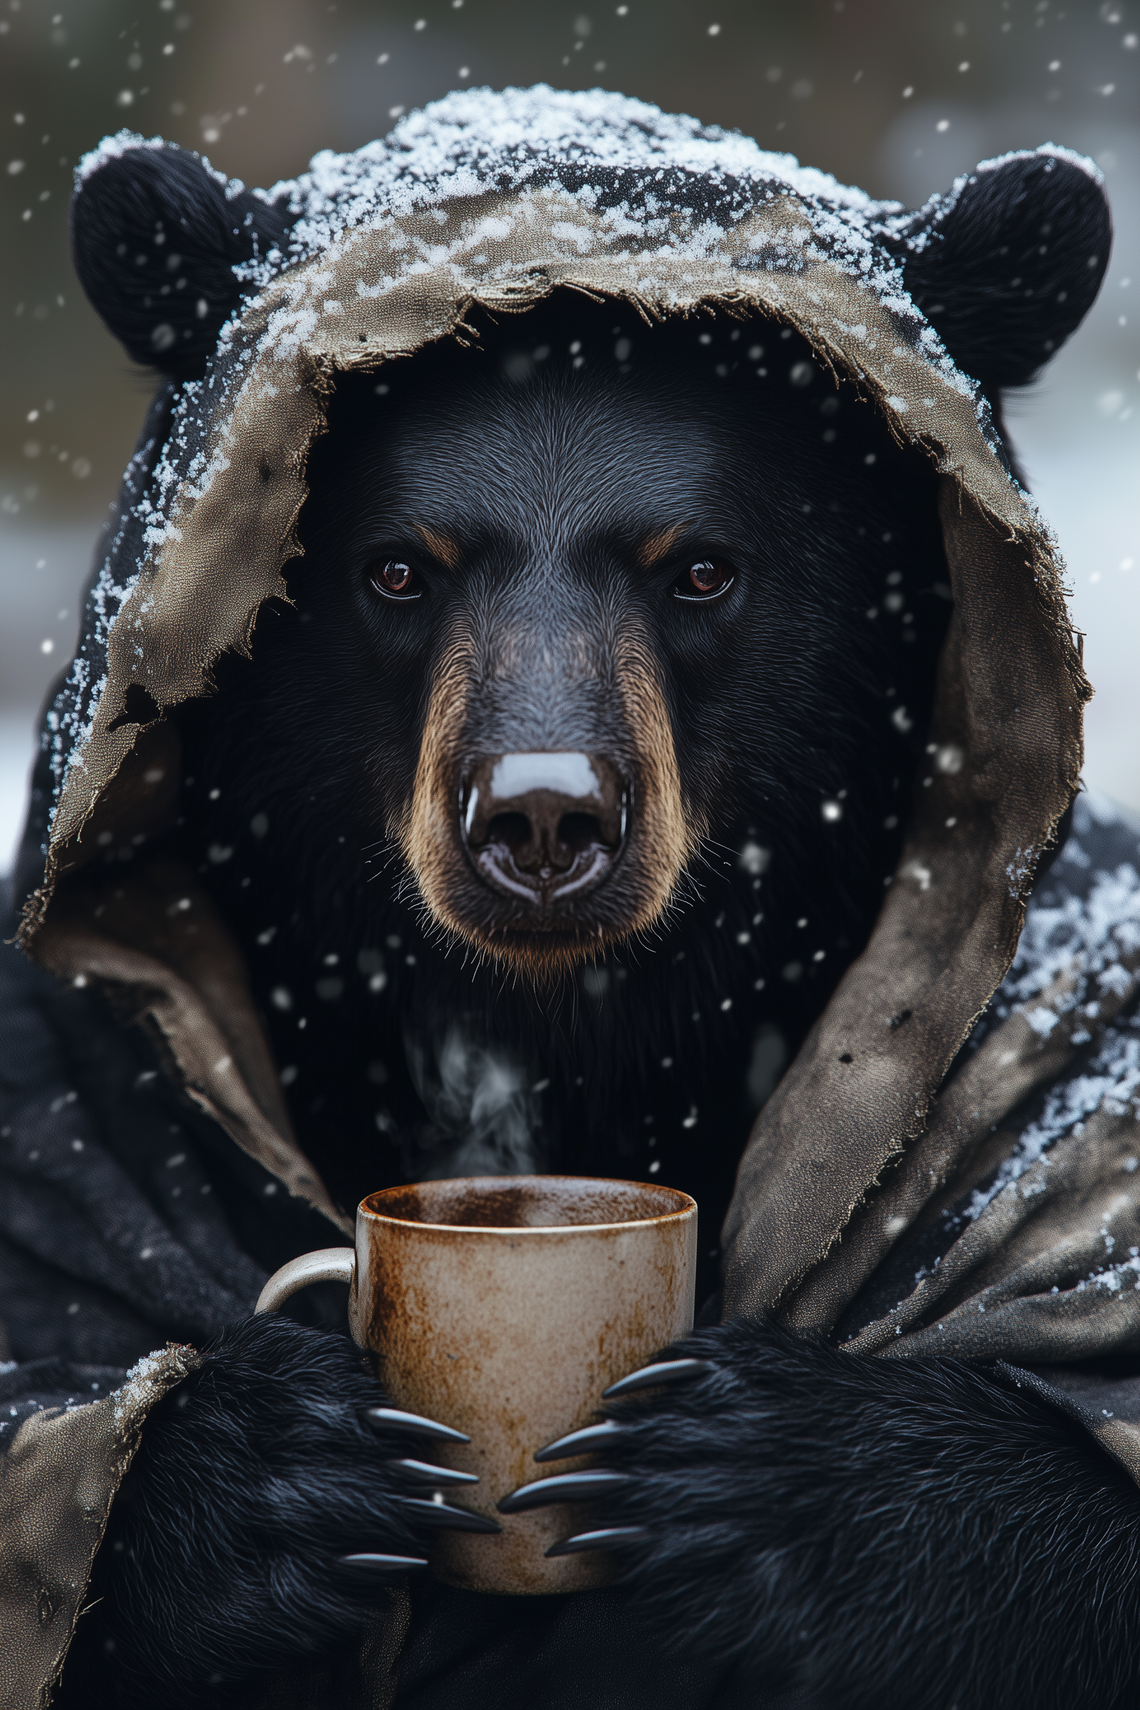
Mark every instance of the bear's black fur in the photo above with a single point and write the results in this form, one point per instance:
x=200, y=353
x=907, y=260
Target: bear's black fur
x=155, y=236
x=898, y=1533
x=204, y=1592
x=1011, y=266
x=408, y=1055
x=920, y=1534
x=904, y=1535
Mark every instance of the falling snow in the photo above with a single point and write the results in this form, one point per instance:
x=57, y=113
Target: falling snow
x=641, y=174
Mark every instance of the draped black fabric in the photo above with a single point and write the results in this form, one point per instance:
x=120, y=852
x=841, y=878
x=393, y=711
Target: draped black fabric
x=128, y=1216
x=466, y=1650
x=127, y=1219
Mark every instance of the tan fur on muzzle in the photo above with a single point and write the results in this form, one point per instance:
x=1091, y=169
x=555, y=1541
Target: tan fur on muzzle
x=665, y=834
x=662, y=837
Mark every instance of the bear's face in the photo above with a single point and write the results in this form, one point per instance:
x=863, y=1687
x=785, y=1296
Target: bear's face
x=493, y=569
x=579, y=618
x=577, y=614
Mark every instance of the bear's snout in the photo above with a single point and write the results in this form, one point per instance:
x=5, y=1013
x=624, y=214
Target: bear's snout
x=543, y=828
x=546, y=818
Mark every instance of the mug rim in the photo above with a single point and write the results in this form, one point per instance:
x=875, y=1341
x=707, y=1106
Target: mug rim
x=680, y=1211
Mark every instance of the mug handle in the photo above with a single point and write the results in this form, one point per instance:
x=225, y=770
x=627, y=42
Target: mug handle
x=328, y=1264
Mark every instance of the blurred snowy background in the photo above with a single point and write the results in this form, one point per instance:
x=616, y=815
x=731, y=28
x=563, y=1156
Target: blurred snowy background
x=895, y=95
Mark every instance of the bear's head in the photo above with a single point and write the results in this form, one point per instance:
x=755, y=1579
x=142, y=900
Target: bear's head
x=583, y=599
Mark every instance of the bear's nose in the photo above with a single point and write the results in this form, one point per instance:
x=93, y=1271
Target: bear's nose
x=544, y=827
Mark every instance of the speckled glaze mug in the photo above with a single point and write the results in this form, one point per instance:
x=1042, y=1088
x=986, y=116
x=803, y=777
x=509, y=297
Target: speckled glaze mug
x=503, y=1306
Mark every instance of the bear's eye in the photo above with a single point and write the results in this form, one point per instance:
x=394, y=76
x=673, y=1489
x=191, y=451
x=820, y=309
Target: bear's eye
x=704, y=580
x=395, y=578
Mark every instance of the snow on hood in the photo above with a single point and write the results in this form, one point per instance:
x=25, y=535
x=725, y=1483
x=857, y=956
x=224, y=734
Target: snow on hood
x=495, y=200
x=676, y=210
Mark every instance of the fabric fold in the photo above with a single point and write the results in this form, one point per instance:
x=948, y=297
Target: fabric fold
x=58, y=1479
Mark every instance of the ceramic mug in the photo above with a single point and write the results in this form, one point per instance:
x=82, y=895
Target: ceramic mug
x=503, y=1306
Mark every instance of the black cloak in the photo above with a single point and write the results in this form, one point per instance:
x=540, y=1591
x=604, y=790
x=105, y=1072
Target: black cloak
x=150, y=1178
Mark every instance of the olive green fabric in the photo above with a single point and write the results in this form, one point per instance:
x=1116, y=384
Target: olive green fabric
x=57, y=1483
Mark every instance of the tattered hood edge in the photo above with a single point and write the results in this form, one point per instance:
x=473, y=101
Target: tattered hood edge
x=1024, y=527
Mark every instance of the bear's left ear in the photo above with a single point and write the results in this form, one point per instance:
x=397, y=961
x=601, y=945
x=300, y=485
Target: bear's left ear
x=155, y=236
x=1008, y=265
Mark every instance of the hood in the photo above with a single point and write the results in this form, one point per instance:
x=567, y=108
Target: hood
x=496, y=200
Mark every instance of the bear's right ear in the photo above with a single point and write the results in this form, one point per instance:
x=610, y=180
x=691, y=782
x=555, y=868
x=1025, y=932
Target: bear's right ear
x=154, y=240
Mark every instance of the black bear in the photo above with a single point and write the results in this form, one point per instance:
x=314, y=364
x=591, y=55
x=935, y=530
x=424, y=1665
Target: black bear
x=573, y=644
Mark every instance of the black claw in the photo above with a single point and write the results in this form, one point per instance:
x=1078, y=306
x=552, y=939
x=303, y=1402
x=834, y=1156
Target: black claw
x=438, y=1477
x=665, y=1371
x=440, y=1514
x=608, y=1538
x=369, y=1563
x=393, y=1419
x=563, y=1487
x=584, y=1442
